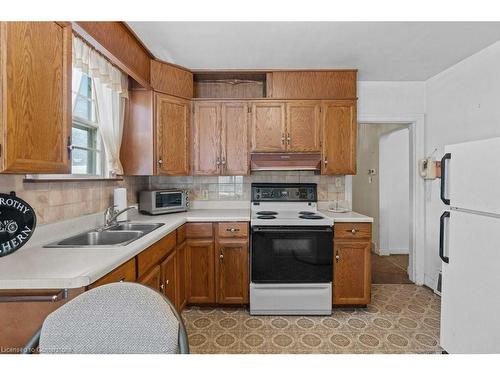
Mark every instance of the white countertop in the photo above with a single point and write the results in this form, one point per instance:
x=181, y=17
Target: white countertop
x=347, y=217
x=36, y=267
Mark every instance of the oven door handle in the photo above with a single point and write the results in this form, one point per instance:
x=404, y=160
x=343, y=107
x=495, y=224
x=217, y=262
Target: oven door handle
x=291, y=229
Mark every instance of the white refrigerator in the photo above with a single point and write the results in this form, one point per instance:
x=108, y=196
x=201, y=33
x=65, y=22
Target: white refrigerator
x=469, y=247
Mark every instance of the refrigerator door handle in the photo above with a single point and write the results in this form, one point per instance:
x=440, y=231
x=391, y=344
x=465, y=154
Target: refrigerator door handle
x=446, y=156
x=445, y=215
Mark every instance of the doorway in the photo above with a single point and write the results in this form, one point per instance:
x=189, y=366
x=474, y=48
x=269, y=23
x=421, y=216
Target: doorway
x=381, y=189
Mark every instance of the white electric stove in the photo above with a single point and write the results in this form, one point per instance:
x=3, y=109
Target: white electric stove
x=291, y=252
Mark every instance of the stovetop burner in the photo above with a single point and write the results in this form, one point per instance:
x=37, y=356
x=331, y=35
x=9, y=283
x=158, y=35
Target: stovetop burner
x=311, y=217
x=266, y=217
x=267, y=213
x=306, y=213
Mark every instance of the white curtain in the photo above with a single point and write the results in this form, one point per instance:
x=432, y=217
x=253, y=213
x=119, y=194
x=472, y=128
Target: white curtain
x=111, y=88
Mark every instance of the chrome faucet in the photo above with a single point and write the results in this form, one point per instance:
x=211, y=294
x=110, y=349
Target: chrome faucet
x=111, y=214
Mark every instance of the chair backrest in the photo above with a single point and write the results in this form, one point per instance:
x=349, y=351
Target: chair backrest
x=113, y=318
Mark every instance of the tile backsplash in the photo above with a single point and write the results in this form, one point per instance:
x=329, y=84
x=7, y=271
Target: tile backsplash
x=55, y=201
x=226, y=188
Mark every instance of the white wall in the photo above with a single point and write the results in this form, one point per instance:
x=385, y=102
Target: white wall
x=394, y=192
x=463, y=103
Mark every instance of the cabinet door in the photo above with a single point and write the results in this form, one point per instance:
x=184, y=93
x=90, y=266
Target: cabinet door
x=206, y=138
x=35, y=114
x=125, y=272
x=268, y=126
x=339, y=137
x=303, y=126
x=173, y=134
x=231, y=269
x=181, y=276
x=351, y=272
x=234, y=139
x=168, y=277
x=201, y=279
x=152, y=278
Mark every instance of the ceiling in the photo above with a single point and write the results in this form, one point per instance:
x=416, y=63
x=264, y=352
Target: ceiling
x=382, y=51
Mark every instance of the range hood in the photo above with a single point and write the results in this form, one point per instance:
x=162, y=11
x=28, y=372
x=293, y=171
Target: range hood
x=285, y=161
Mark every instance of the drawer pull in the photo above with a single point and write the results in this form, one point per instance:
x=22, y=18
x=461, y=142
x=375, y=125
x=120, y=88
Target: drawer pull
x=56, y=297
x=232, y=230
x=353, y=231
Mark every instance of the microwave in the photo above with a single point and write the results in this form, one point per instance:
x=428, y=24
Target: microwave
x=156, y=202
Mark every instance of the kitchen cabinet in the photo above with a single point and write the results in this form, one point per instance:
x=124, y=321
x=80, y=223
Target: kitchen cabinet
x=338, y=129
x=268, y=126
x=220, y=138
x=231, y=269
x=157, y=136
x=201, y=277
x=35, y=97
x=152, y=279
x=303, y=126
x=319, y=84
x=125, y=272
x=352, y=264
x=181, y=281
x=172, y=135
x=168, y=277
x=292, y=126
x=218, y=262
x=171, y=79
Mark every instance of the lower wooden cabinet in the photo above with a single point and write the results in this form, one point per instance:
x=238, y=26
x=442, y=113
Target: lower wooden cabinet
x=152, y=278
x=182, y=292
x=218, y=265
x=201, y=278
x=231, y=269
x=351, y=270
x=168, y=277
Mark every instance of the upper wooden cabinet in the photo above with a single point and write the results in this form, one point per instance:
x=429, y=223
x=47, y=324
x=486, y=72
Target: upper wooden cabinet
x=338, y=128
x=172, y=135
x=172, y=80
x=157, y=136
x=268, y=126
x=35, y=97
x=286, y=126
x=303, y=126
x=332, y=84
x=220, y=138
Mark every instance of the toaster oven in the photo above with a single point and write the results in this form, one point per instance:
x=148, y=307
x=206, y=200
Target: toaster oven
x=156, y=202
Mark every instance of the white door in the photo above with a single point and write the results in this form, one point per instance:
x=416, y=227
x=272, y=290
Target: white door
x=470, y=302
x=473, y=175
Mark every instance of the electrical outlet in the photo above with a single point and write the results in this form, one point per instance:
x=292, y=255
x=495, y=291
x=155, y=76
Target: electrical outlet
x=338, y=182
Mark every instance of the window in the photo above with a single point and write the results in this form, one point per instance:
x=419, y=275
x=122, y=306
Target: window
x=86, y=157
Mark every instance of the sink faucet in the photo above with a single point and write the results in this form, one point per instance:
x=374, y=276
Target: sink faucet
x=111, y=214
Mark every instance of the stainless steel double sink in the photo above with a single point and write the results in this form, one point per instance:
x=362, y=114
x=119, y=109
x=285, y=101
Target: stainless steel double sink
x=117, y=235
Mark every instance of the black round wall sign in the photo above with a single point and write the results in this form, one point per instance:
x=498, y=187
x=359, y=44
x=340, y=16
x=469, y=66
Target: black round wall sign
x=17, y=223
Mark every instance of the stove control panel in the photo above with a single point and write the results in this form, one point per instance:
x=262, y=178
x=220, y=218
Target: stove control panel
x=284, y=192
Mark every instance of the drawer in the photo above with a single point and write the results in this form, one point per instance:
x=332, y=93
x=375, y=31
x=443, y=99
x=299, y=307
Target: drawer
x=125, y=272
x=155, y=253
x=181, y=234
x=233, y=229
x=199, y=230
x=353, y=230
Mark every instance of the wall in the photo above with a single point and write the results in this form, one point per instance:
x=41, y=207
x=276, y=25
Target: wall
x=463, y=103
x=365, y=195
x=55, y=201
x=230, y=188
x=394, y=192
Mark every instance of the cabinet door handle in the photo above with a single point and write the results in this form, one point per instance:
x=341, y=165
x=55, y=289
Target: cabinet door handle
x=282, y=138
x=162, y=287
x=288, y=139
x=160, y=161
x=167, y=282
x=337, y=257
x=223, y=161
x=217, y=163
x=326, y=161
x=221, y=256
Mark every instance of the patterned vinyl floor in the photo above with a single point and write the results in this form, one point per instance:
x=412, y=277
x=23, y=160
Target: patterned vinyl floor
x=401, y=319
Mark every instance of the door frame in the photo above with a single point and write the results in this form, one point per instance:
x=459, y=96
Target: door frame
x=416, y=122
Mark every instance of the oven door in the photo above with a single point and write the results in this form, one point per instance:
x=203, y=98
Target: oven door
x=292, y=254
